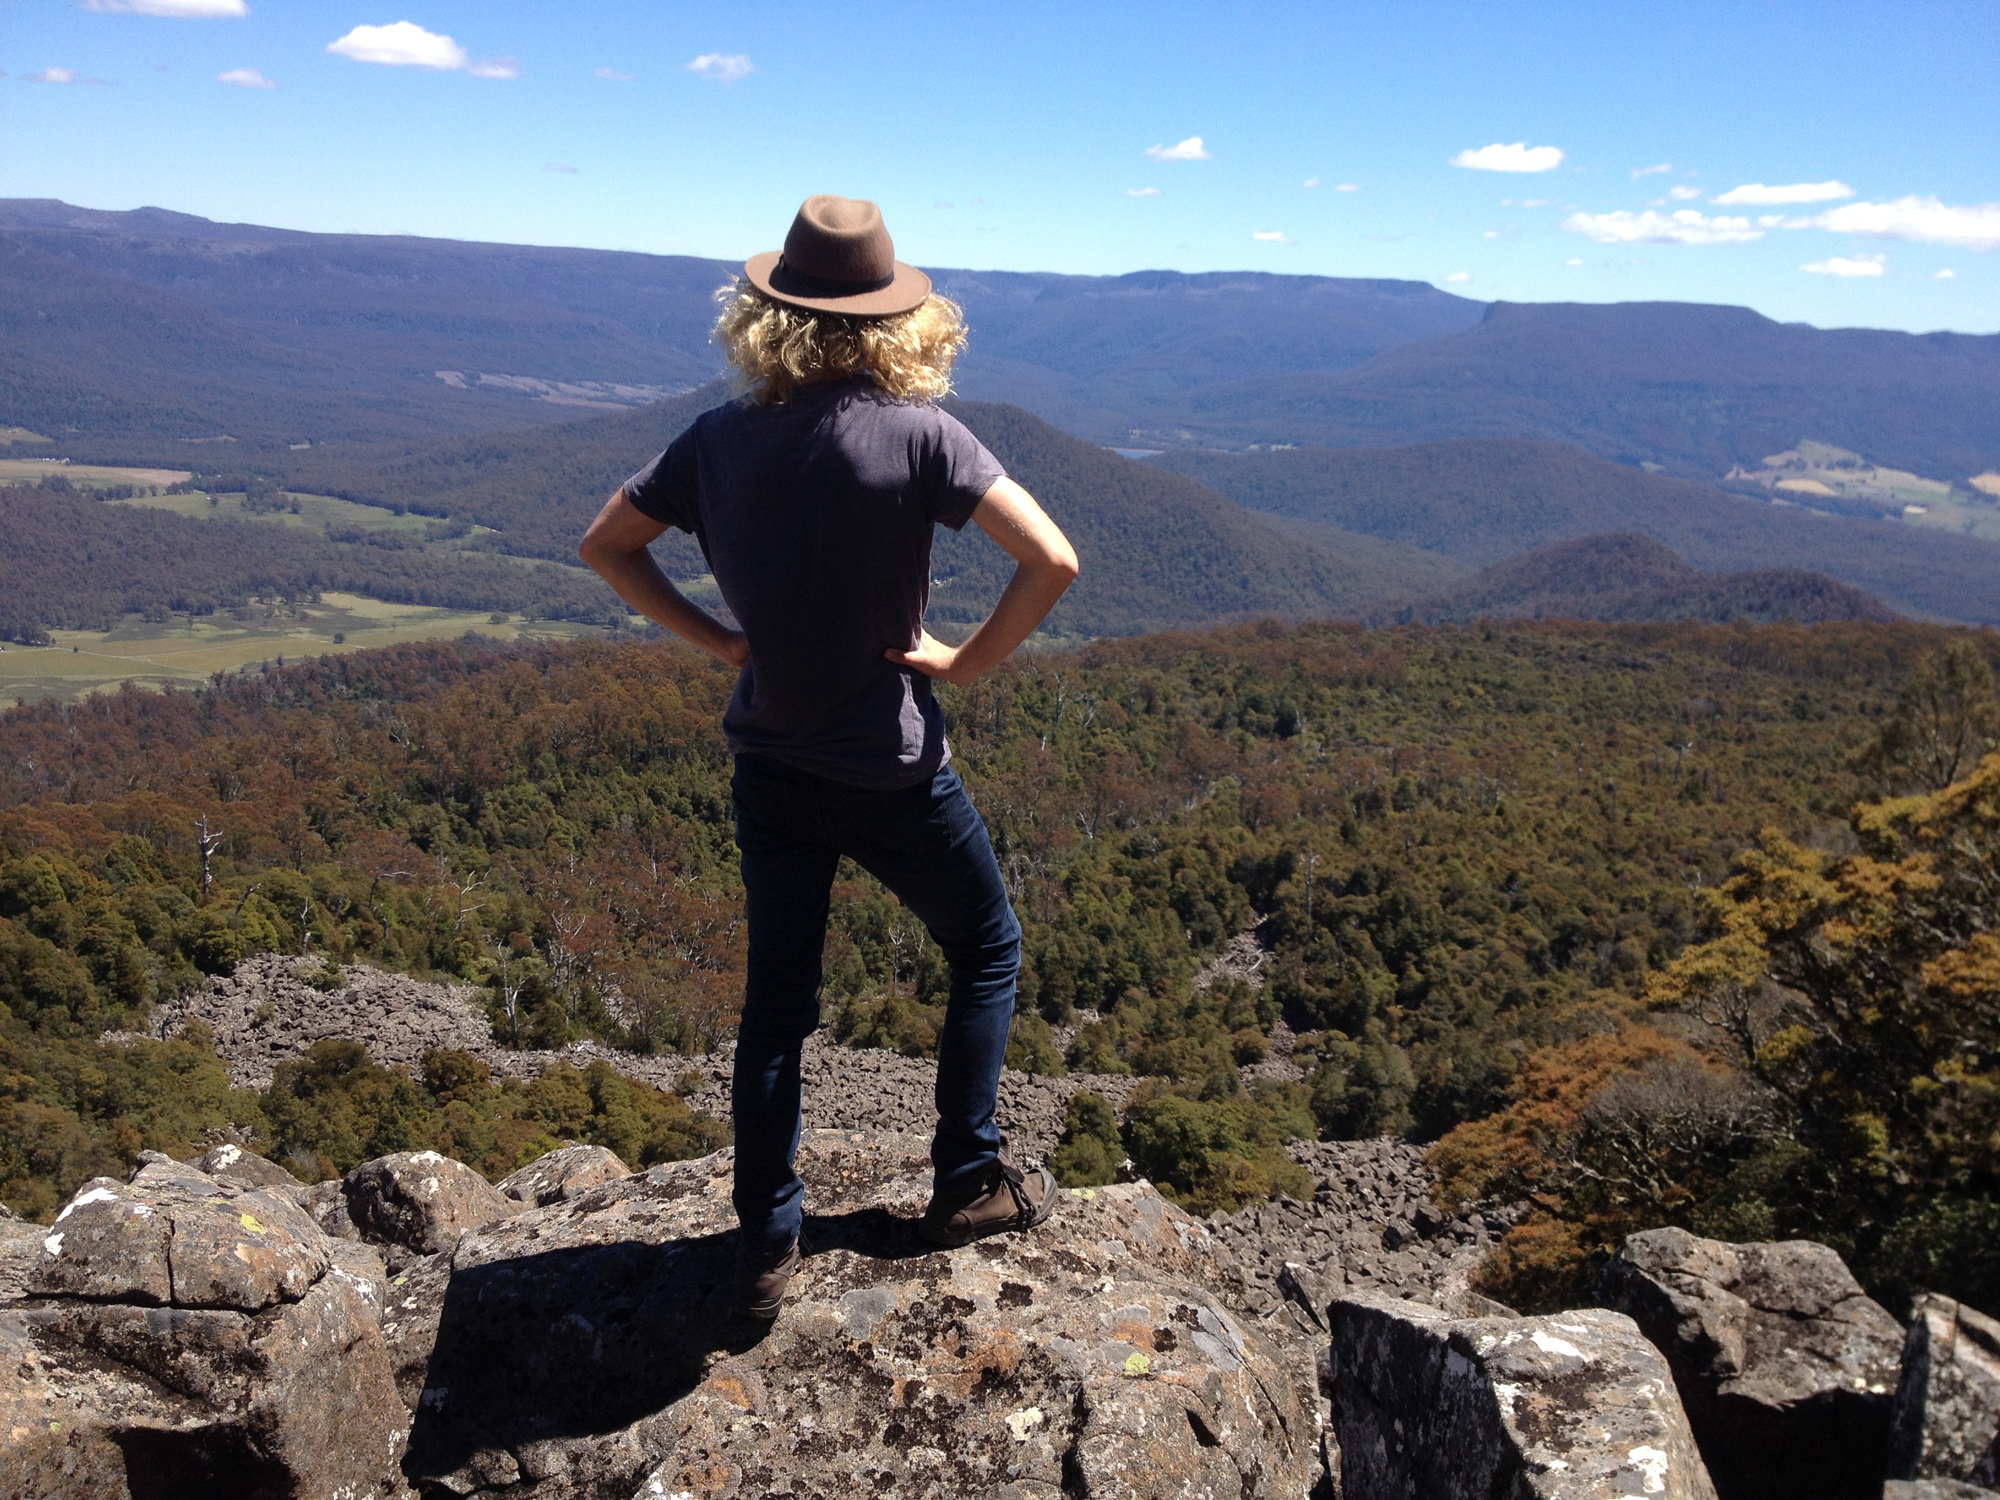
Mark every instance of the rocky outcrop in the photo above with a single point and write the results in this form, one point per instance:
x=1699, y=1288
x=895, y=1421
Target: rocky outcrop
x=1947, y=1413
x=561, y=1175
x=1934, y=1489
x=1786, y=1367
x=177, y=1335
x=420, y=1202
x=265, y=1013
x=1572, y=1405
x=1371, y=1224
x=580, y=1350
x=232, y=1164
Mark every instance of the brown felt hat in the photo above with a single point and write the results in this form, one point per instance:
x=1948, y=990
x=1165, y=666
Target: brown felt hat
x=839, y=259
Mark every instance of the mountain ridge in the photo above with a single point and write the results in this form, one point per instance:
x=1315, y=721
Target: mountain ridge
x=1629, y=578
x=1484, y=500
x=363, y=332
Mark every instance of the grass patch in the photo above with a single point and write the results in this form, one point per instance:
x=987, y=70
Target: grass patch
x=83, y=476
x=187, y=651
x=315, y=512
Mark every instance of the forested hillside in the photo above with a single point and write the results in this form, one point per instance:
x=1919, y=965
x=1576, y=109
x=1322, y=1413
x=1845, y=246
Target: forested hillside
x=1695, y=388
x=1625, y=576
x=1485, y=501
x=71, y=562
x=1159, y=550
x=1470, y=853
x=136, y=332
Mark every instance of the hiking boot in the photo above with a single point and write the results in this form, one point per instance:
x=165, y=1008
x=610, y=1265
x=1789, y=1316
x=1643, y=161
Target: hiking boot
x=760, y=1289
x=1009, y=1199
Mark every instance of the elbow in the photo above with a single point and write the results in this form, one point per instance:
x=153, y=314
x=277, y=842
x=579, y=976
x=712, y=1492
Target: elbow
x=1064, y=566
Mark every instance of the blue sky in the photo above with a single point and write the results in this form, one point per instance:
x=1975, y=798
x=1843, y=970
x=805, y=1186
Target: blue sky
x=1016, y=137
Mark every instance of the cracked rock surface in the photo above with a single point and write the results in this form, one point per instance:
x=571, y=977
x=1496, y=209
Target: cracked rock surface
x=1563, y=1407
x=1947, y=1413
x=1786, y=1366
x=581, y=1350
x=177, y=1334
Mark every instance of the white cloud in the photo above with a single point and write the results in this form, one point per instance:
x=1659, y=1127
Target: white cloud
x=1190, y=149
x=246, y=78
x=1347, y=187
x=187, y=10
x=1770, y=221
x=496, y=67
x=1573, y=262
x=1840, y=265
x=52, y=75
x=403, y=45
x=1683, y=192
x=1638, y=172
x=1145, y=192
x=1272, y=236
x=1536, y=202
x=1458, y=278
x=562, y=167
x=723, y=67
x=1310, y=182
x=1682, y=227
x=1947, y=274
x=1519, y=157
x=615, y=76
x=1970, y=226
x=1491, y=234
x=1795, y=192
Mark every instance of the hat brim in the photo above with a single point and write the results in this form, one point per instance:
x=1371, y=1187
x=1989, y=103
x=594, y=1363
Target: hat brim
x=906, y=291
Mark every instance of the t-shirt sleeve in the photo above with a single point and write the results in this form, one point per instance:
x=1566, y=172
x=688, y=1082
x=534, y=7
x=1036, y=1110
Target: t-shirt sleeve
x=665, y=490
x=964, y=471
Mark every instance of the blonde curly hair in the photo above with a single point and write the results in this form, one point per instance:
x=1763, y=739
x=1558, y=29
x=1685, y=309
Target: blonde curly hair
x=777, y=348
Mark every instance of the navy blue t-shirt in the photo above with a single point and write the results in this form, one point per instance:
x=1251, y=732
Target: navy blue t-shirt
x=815, y=516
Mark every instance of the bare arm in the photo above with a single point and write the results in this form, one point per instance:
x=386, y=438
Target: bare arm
x=1045, y=566
x=615, y=548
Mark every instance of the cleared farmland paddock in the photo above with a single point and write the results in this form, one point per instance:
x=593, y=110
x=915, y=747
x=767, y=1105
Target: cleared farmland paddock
x=180, y=651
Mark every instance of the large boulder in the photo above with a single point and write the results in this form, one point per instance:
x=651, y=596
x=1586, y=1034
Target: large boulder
x=561, y=1175
x=180, y=1335
x=1786, y=1367
x=231, y=1163
x=1947, y=1414
x=1427, y=1406
x=583, y=1350
x=420, y=1202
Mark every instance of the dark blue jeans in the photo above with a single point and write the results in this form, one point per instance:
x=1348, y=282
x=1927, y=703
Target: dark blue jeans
x=926, y=843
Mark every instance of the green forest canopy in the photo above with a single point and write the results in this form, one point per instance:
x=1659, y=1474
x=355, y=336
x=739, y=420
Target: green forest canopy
x=1466, y=849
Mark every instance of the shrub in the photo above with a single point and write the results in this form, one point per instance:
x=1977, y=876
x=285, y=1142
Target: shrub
x=1090, y=1149
x=1210, y=1156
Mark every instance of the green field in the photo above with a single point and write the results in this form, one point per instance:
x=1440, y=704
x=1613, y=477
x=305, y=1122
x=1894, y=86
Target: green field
x=188, y=652
x=83, y=476
x=319, y=512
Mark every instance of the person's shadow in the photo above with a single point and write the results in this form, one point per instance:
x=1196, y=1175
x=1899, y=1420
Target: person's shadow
x=579, y=1343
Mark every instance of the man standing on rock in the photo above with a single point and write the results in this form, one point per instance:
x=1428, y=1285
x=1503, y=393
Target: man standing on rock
x=813, y=497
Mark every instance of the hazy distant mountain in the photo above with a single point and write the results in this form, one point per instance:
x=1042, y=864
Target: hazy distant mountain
x=353, y=330
x=1624, y=576
x=173, y=327
x=1099, y=355
x=1694, y=388
x=1482, y=501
